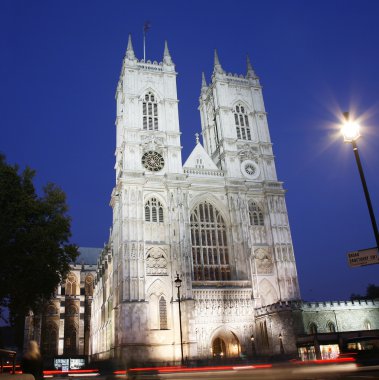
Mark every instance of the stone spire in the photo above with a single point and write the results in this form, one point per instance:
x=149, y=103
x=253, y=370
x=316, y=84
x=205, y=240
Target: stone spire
x=129, y=49
x=217, y=65
x=250, y=71
x=166, y=55
x=203, y=83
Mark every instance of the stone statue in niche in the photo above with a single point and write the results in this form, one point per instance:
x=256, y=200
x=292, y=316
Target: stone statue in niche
x=156, y=263
x=264, y=262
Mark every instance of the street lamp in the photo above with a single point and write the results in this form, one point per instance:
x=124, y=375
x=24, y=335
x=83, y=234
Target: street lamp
x=253, y=345
x=178, y=284
x=350, y=132
x=281, y=343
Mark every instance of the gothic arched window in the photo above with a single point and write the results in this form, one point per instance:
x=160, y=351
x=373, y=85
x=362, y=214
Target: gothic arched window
x=71, y=285
x=150, y=112
x=70, y=340
x=255, y=215
x=331, y=327
x=162, y=314
x=241, y=121
x=51, y=310
x=153, y=211
x=50, y=340
x=71, y=311
x=88, y=286
x=210, y=253
x=313, y=328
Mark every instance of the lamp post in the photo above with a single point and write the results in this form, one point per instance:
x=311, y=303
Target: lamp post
x=178, y=284
x=281, y=343
x=350, y=132
x=253, y=345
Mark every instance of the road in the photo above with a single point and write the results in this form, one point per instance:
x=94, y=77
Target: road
x=347, y=371
x=340, y=371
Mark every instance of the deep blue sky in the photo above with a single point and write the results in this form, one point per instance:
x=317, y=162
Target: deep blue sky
x=60, y=62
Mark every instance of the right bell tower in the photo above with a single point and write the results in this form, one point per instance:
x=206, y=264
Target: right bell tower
x=236, y=136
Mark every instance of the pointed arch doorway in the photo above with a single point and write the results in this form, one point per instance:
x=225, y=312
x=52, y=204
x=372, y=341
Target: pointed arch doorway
x=225, y=344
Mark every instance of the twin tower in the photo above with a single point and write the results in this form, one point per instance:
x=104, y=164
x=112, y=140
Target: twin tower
x=219, y=221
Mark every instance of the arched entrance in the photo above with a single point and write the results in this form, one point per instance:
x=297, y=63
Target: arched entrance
x=218, y=348
x=225, y=344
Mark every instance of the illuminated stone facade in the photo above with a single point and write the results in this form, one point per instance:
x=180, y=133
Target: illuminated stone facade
x=297, y=323
x=63, y=328
x=219, y=221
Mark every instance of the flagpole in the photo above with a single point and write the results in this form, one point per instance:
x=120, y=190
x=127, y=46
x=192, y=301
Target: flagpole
x=146, y=27
x=144, y=44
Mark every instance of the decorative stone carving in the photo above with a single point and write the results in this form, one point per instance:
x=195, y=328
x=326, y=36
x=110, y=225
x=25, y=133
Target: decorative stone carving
x=247, y=152
x=156, y=263
x=263, y=260
x=151, y=142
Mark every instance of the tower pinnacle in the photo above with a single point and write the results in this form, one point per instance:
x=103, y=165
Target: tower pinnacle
x=129, y=50
x=166, y=55
x=250, y=71
x=203, y=83
x=217, y=68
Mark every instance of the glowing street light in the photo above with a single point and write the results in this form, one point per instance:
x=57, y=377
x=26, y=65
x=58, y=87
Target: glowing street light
x=350, y=132
x=350, y=129
x=253, y=345
x=178, y=284
x=281, y=343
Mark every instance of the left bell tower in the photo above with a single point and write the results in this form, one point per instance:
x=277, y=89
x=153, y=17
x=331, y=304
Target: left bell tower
x=146, y=236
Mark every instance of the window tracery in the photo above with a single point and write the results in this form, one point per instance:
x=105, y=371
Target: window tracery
x=153, y=211
x=241, y=121
x=88, y=286
x=71, y=282
x=255, y=214
x=162, y=313
x=210, y=253
x=150, y=112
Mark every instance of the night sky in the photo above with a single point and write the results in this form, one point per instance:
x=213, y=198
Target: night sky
x=61, y=60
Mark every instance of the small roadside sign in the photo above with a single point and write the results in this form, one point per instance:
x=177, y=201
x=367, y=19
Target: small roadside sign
x=363, y=257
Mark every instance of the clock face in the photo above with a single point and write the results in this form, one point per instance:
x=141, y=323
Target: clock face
x=250, y=169
x=152, y=161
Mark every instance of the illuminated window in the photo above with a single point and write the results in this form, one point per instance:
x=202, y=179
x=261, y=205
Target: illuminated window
x=241, y=121
x=153, y=211
x=150, y=112
x=255, y=215
x=71, y=285
x=313, y=328
x=210, y=253
x=162, y=314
